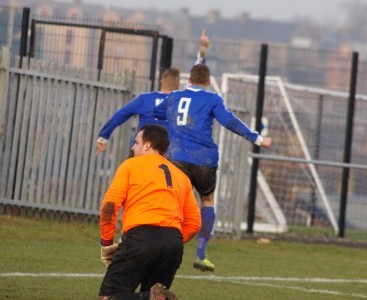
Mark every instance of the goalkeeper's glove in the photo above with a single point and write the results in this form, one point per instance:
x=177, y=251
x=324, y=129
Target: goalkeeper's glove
x=107, y=253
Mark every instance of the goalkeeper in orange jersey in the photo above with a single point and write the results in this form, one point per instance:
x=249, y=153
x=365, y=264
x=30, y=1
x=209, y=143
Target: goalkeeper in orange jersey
x=160, y=214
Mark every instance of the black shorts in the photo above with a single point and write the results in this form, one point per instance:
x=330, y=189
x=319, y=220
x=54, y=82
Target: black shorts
x=146, y=255
x=203, y=178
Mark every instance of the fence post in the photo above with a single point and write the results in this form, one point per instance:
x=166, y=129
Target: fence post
x=153, y=62
x=256, y=149
x=166, y=53
x=4, y=76
x=317, y=157
x=24, y=34
x=348, y=143
x=166, y=57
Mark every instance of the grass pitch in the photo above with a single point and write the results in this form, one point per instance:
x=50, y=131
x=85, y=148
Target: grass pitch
x=42, y=259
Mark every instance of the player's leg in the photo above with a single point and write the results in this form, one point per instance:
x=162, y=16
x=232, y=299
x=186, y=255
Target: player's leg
x=207, y=223
x=205, y=181
x=165, y=247
x=167, y=243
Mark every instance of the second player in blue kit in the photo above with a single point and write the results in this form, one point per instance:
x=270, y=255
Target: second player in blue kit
x=190, y=114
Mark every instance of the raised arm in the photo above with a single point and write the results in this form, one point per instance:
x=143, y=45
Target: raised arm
x=204, y=45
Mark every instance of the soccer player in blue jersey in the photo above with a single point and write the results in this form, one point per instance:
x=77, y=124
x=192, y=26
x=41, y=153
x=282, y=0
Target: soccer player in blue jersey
x=190, y=114
x=144, y=104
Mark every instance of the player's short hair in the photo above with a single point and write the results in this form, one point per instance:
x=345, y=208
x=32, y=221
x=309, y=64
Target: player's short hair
x=171, y=79
x=171, y=72
x=157, y=136
x=200, y=74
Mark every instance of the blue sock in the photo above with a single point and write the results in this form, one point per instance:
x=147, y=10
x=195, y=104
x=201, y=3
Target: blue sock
x=207, y=224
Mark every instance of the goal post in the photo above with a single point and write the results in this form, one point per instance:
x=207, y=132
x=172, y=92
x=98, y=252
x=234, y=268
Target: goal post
x=288, y=122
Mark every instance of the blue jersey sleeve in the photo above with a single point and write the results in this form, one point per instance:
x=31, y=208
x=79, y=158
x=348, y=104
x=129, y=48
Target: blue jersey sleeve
x=120, y=117
x=232, y=122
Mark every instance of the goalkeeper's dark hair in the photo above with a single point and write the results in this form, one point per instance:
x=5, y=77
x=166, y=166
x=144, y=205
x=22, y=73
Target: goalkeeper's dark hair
x=157, y=136
x=200, y=74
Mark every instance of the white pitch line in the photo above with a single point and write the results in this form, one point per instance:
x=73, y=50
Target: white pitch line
x=205, y=277
x=20, y=274
x=250, y=280
x=296, y=288
x=290, y=279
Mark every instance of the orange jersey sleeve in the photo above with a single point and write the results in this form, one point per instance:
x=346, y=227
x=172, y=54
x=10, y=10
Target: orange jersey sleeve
x=152, y=191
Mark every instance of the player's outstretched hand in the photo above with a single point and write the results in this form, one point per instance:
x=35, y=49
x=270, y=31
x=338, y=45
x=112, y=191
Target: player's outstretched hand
x=204, y=39
x=266, y=142
x=107, y=253
x=101, y=145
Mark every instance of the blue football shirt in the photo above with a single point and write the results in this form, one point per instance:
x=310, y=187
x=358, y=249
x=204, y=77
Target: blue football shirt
x=190, y=114
x=143, y=106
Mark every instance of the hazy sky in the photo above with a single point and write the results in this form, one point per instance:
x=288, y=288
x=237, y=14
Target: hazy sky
x=320, y=10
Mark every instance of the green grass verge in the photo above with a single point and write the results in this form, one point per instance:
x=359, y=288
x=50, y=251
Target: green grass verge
x=244, y=269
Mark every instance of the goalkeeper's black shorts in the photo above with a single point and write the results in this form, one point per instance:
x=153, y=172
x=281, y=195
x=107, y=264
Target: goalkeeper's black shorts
x=146, y=255
x=203, y=178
